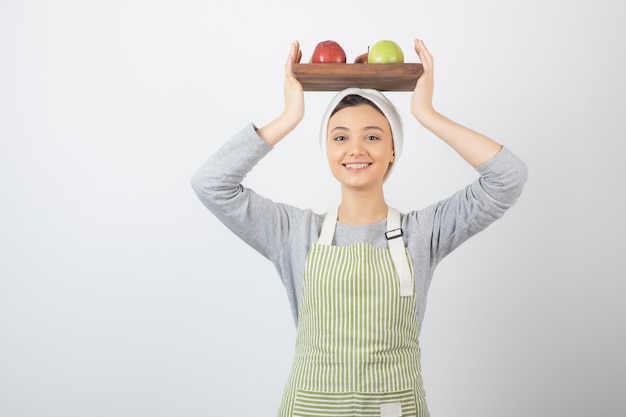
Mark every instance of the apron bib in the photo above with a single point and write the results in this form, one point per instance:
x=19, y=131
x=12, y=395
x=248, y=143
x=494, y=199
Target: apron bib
x=357, y=349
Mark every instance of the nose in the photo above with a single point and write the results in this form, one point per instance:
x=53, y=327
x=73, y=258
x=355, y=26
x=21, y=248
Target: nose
x=356, y=148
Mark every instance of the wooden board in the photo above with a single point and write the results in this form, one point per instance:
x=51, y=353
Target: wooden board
x=336, y=77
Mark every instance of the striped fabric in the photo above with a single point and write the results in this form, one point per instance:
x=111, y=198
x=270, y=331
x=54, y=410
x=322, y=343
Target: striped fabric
x=357, y=349
x=309, y=404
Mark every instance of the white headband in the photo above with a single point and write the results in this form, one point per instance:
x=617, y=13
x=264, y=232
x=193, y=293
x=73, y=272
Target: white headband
x=382, y=102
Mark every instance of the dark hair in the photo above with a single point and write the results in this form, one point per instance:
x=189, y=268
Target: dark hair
x=352, y=100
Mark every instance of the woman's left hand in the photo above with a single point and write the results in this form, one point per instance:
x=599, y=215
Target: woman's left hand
x=473, y=146
x=422, y=98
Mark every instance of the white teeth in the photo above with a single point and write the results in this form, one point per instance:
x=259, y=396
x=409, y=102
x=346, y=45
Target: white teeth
x=356, y=166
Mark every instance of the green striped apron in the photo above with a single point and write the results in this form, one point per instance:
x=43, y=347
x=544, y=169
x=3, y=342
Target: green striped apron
x=357, y=349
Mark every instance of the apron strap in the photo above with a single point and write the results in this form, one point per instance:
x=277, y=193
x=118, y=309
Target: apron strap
x=398, y=252
x=328, y=228
x=394, y=240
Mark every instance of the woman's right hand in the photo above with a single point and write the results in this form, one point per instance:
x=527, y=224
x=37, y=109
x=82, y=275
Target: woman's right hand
x=293, y=113
x=294, y=95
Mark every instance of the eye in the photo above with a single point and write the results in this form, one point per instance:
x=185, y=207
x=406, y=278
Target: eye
x=372, y=137
x=340, y=138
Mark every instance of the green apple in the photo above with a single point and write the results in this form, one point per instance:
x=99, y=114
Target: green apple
x=385, y=52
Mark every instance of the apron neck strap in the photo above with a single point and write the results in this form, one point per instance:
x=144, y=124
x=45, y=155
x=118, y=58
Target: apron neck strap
x=398, y=252
x=328, y=228
x=394, y=240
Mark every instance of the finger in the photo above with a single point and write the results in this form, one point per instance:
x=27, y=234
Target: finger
x=292, y=57
x=424, y=55
x=288, y=62
x=295, y=51
x=426, y=52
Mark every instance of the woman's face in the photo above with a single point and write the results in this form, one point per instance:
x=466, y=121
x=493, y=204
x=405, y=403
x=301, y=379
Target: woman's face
x=359, y=147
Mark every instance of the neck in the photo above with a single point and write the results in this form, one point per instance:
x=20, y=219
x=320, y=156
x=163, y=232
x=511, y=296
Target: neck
x=362, y=208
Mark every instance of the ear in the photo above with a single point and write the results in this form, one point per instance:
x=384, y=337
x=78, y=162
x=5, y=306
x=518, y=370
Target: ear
x=393, y=158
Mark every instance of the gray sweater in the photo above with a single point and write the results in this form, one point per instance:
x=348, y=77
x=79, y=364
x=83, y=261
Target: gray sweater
x=283, y=233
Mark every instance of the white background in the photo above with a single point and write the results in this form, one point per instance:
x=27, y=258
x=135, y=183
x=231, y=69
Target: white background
x=120, y=295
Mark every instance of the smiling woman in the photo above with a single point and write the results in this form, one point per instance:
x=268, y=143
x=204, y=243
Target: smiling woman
x=360, y=147
x=357, y=277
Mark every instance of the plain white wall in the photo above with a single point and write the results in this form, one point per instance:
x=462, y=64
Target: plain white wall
x=120, y=295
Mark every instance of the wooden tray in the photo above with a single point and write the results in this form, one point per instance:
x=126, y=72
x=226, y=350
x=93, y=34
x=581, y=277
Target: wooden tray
x=336, y=77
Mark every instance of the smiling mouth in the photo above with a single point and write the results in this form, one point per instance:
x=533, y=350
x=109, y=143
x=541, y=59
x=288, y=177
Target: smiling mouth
x=356, y=166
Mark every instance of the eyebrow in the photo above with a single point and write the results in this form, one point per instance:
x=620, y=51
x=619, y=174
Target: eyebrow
x=365, y=128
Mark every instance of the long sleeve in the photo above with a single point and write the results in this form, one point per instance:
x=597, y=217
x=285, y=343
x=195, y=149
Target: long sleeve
x=284, y=233
x=258, y=221
x=472, y=209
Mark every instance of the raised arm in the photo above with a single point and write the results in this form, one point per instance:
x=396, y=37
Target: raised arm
x=472, y=146
x=260, y=222
x=293, y=112
x=502, y=173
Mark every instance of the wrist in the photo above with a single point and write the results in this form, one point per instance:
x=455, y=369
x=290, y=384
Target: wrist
x=290, y=119
x=277, y=129
x=427, y=116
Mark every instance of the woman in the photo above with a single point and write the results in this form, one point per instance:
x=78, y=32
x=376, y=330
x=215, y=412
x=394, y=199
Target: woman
x=357, y=278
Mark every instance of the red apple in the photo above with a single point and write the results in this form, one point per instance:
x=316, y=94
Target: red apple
x=328, y=51
x=362, y=59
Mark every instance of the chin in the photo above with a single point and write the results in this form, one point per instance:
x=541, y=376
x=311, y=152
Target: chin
x=361, y=185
